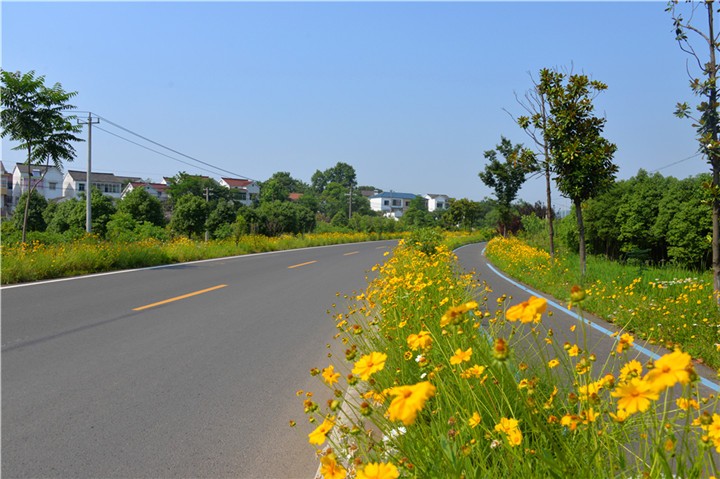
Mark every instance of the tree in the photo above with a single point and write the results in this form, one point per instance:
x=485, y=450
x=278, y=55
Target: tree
x=341, y=173
x=224, y=213
x=581, y=157
x=506, y=177
x=417, y=214
x=70, y=215
x=186, y=184
x=463, y=213
x=33, y=219
x=292, y=185
x=142, y=206
x=274, y=190
x=32, y=114
x=707, y=123
x=189, y=215
x=535, y=126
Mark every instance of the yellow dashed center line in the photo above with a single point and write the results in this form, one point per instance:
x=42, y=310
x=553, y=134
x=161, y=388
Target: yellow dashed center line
x=177, y=298
x=352, y=252
x=301, y=264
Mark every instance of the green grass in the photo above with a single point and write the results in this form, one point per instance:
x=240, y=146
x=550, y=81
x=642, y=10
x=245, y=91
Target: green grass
x=668, y=306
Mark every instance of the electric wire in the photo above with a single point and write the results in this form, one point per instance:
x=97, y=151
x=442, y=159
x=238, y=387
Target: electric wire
x=150, y=149
x=677, y=162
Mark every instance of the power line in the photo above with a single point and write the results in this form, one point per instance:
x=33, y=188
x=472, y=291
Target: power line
x=215, y=168
x=676, y=162
x=154, y=151
x=237, y=175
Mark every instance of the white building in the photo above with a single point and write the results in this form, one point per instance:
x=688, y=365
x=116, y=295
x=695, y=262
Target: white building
x=108, y=184
x=48, y=181
x=437, y=202
x=249, y=189
x=158, y=190
x=391, y=203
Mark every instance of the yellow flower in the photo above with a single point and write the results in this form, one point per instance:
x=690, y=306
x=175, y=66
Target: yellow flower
x=527, y=311
x=632, y=369
x=474, y=420
x=330, y=469
x=670, y=369
x=409, y=400
x=626, y=341
x=461, y=356
x=318, y=435
x=379, y=470
x=590, y=390
x=684, y=404
x=511, y=430
x=473, y=372
x=421, y=340
x=574, y=350
x=553, y=363
x=620, y=416
x=635, y=395
x=369, y=365
x=452, y=315
x=329, y=375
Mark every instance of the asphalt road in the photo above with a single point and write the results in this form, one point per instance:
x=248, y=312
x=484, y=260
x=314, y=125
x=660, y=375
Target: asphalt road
x=102, y=376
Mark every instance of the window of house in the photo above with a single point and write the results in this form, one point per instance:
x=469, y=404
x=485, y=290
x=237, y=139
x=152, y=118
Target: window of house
x=243, y=196
x=441, y=206
x=81, y=186
x=35, y=172
x=407, y=203
x=386, y=202
x=52, y=185
x=396, y=203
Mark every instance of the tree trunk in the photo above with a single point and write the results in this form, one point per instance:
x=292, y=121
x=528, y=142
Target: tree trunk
x=713, y=155
x=581, y=234
x=27, y=200
x=549, y=207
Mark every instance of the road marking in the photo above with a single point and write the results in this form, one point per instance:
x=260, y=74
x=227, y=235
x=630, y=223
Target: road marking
x=706, y=382
x=177, y=298
x=301, y=264
x=352, y=252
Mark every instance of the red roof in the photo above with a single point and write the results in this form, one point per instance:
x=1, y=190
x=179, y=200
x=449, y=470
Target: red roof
x=295, y=196
x=237, y=183
x=160, y=187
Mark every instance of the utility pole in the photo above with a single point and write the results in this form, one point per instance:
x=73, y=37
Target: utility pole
x=350, y=203
x=88, y=188
x=207, y=194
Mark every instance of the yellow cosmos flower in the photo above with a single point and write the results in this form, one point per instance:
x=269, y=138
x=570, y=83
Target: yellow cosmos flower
x=632, y=369
x=626, y=341
x=635, y=395
x=475, y=420
x=452, y=315
x=574, y=350
x=527, y=311
x=590, y=390
x=330, y=469
x=621, y=415
x=685, y=404
x=473, y=372
x=329, y=375
x=461, y=356
x=319, y=434
x=421, y=340
x=670, y=369
x=511, y=430
x=379, y=470
x=553, y=363
x=369, y=365
x=409, y=400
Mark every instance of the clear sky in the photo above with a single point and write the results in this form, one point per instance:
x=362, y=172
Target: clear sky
x=410, y=94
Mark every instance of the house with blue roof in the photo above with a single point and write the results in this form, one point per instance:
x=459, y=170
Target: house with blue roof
x=391, y=203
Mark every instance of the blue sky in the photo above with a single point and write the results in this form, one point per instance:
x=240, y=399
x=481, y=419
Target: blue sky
x=410, y=94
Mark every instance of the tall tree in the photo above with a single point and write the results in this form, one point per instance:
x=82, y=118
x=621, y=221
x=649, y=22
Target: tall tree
x=705, y=86
x=506, y=177
x=341, y=173
x=32, y=114
x=535, y=125
x=142, y=206
x=582, y=158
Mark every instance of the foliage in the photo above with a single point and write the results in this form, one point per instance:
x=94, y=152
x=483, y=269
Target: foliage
x=35, y=220
x=223, y=215
x=285, y=181
x=184, y=184
x=124, y=228
x=189, y=216
x=341, y=173
x=581, y=157
x=70, y=215
x=142, y=206
x=417, y=214
x=465, y=214
x=32, y=114
x=274, y=190
x=277, y=217
x=427, y=240
x=506, y=177
x=437, y=382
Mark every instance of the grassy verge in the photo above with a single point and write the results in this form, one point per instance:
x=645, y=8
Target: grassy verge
x=668, y=306
x=37, y=261
x=434, y=385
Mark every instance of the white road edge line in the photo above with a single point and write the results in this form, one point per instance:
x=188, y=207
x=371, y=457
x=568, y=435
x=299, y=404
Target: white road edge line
x=705, y=382
x=172, y=265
